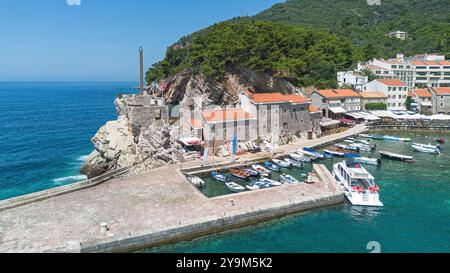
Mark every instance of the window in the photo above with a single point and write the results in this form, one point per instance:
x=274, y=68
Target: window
x=285, y=111
x=265, y=113
x=442, y=104
x=294, y=110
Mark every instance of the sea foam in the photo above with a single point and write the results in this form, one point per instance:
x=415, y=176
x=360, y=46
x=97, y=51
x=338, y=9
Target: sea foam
x=70, y=178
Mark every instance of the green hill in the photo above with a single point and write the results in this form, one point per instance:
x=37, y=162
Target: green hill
x=426, y=21
x=307, y=41
x=302, y=56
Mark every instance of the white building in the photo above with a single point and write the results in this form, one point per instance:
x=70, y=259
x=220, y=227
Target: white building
x=402, y=35
x=352, y=79
x=431, y=71
x=395, y=90
x=397, y=68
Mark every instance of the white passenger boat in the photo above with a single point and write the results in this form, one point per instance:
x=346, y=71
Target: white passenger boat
x=294, y=163
x=366, y=160
x=271, y=182
x=359, y=185
x=429, y=149
x=261, y=170
x=282, y=163
x=288, y=179
x=196, y=181
x=299, y=157
x=234, y=187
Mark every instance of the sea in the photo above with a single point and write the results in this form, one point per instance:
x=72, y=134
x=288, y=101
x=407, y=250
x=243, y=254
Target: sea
x=46, y=131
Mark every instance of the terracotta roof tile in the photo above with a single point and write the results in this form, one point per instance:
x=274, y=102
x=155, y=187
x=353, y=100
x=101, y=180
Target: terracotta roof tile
x=338, y=93
x=392, y=82
x=373, y=95
x=422, y=93
x=441, y=90
x=275, y=98
x=314, y=109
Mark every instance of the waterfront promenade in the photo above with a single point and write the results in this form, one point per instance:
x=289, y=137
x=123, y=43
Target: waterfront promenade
x=154, y=208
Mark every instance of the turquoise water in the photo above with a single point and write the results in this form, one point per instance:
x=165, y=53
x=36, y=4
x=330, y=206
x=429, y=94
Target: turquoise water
x=416, y=216
x=46, y=131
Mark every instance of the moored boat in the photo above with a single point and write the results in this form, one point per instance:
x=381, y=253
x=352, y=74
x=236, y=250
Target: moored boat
x=252, y=172
x=271, y=182
x=271, y=166
x=312, y=153
x=288, y=179
x=370, y=136
x=282, y=163
x=358, y=184
x=397, y=157
x=261, y=170
x=334, y=153
x=429, y=149
x=252, y=186
x=346, y=147
x=196, y=181
x=234, y=187
x=242, y=174
x=219, y=177
x=400, y=139
x=366, y=160
x=294, y=163
x=362, y=147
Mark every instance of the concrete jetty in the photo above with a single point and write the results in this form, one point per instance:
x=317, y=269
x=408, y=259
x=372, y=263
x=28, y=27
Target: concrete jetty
x=152, y=209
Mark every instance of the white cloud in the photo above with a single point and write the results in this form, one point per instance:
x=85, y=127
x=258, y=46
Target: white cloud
x=73, y=2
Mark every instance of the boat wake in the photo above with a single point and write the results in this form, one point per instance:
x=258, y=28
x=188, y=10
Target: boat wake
x=73, y=178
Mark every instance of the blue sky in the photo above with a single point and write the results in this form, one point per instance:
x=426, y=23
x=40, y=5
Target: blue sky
x=98, y=40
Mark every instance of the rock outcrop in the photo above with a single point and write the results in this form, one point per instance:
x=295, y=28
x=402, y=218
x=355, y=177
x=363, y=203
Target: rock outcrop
x=135, y=139
x=187, y=85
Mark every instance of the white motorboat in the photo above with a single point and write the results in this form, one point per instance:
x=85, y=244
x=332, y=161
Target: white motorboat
x=358, y=184
x=261, y=170
x=429, y=149
x=288, y=179
x=345, y=147
x=361, y=147
x=219, y=177
x=299, y=157
x=393, y=138
x=234, y=187
x=311, y=154
x=334, y=153
x=271, y=182
x=253, y=187
x=196, y=181
x=349, y=141
x=294, y=163
x=366, y=160
x=282, y=163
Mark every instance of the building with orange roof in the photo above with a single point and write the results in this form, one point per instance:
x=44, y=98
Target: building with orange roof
x=440, y=100
x=395, y=90
x=373, y=97
x=278, y=112
x=337, y=102
x=422, y=101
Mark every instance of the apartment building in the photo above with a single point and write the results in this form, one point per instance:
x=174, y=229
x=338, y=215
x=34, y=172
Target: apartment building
x=441, y=100
x=335, y=103
x=352, y=79
x=431, y=71
x=372, y=97
x=395, y=90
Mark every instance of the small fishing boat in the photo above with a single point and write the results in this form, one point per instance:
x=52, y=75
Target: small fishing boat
x=368, y=161
x=349, y=141
x=400, y=139
x=349, y=148
x=358, y=184
x=241, y=174
x=361, y=147
x=299, y=157
x=312, y=153
x=397, y=157
x=271, y=182
x=271, y=166
x=294, y=163
x=334, y=153
x=234, y=187
x=376, y=137
x=219, y=177
x=282, y=163
x=196, y=181
x=365, y=142
x=429, y=149
x=261, y=184
x=252, y=172
x=288, y=179
x=252, y=187
x=261, y=170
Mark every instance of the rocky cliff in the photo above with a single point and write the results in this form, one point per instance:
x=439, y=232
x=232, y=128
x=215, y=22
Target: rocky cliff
x=185, y=86
x=128, y=141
